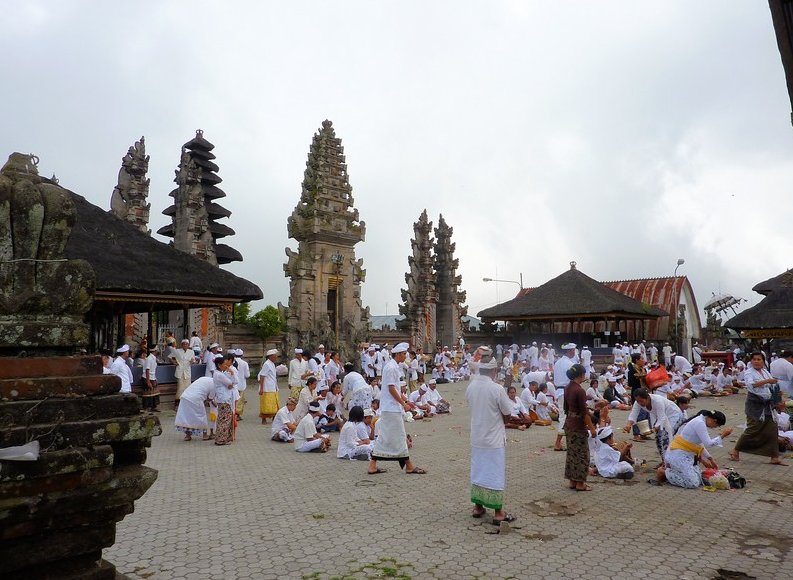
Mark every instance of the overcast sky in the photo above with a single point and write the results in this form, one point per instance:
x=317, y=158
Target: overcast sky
x=622, y=135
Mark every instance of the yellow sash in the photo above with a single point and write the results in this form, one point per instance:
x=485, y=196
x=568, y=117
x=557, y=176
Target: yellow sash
x=679, y=443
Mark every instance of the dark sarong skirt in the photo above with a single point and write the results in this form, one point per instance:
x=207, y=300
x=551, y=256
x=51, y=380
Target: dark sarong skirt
x=760, y=438
x=577, y=461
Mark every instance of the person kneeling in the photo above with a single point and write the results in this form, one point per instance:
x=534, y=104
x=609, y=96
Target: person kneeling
x=354, y=440
x=330, y=420
x=306, y=437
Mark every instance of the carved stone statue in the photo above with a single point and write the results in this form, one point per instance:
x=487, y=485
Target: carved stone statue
x=43, y=296
x=128, y=201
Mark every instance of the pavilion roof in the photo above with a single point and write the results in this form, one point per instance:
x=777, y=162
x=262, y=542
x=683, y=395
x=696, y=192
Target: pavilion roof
x=134, y=267
x=767, y=286
x=572, y=295
x=775, y=311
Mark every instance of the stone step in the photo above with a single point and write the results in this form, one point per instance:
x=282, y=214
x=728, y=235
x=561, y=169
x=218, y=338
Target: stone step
x=19, y=413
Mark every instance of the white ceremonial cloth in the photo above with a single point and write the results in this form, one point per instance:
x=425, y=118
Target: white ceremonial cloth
x=489, y=467
x=391, y=442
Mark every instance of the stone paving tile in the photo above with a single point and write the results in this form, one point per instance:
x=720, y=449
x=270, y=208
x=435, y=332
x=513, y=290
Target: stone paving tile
x=257, y=509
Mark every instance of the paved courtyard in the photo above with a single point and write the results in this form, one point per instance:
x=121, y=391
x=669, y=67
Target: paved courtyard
x=257, y=509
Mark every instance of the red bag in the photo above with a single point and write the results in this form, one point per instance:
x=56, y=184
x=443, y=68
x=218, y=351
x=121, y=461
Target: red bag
x=656, y=378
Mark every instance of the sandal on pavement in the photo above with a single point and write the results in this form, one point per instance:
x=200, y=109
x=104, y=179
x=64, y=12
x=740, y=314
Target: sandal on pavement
x=379, y=470
x=509, y=518
x=478, y=514
x=585, y=488
x=417, y=471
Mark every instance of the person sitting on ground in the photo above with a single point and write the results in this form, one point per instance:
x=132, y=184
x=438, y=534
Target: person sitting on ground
x=782, y=419
x=689, y=447
x=620, y=389
x=284, y=423
x=414, y=413
x=435, y=399
x=418, y=398
x=527, y=395
x=355, y=440
x=543, y=406
x=329, y=420
x=593, y=394
x=306, y=437
x=335, y=398
x=611, y=461
x=614, y=399
x=519, y=417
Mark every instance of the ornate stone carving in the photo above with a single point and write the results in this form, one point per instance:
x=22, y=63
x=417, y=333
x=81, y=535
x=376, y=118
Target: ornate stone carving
x=43, y=296
x=432, y=302
x=128, y=200
x=325, y=276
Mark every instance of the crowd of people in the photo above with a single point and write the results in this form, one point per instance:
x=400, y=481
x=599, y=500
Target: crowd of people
x=367, y=402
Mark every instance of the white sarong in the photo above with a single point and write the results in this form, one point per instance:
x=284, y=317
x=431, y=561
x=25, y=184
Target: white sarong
x=191, y=417
x=489, y=467
x=391, y=442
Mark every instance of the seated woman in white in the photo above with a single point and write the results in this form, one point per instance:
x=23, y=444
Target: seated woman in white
x=519, y=417
x=352, y=445
x=418, y=398
x=435, y=399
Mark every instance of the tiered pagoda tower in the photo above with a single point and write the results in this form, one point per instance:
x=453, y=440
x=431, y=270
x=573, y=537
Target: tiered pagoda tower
x=129, y=198
x=194, y=226
x=433, y=302
x=325, y=277
x=450, y=311
x=421, y=296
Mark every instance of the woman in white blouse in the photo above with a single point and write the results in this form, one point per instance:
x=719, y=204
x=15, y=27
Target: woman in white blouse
x=689, y=446
x=665, y=417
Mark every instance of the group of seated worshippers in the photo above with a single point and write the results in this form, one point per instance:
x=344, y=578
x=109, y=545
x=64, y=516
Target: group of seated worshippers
x=308, y=420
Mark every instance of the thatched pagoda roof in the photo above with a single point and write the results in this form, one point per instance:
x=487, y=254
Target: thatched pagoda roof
x=572, y=295
x=129, y=263
x=773, y=312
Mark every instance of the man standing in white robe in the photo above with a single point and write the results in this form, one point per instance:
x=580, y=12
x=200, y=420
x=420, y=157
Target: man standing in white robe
x=391, y=443
x=489, y=406
x=586, y=360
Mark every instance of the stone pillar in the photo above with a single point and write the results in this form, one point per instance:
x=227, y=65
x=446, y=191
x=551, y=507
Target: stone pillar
x=58, y=512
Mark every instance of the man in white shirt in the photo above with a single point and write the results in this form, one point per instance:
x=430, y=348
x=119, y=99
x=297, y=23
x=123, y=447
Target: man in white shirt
x=268, y=386
x=506, y=368
x=244, y=373
x=586, y=359
x=196, y=345
x=306, y=437
x=391, y=443
x=151, y=390
x=370, y=363
x=667, y=352
x=320, y=354
x=561, y=381
x=120, y=368
x=533, y=355
x=782, y=370
x=489, y=406
x=209, y=358
x=184, y=357
x=696, y=353
x=284, y=424
x=298, y=373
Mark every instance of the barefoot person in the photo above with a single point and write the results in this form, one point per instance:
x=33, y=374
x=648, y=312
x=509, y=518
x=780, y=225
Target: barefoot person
x=576, y=425
x=490, y=408
x=760, y=437
x=391, y=443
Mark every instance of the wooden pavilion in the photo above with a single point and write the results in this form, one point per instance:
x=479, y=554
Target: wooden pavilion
x=136, y=273
x=574, y=307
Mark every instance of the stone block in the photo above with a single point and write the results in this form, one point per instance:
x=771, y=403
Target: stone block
x=58, y=463
x=43, y=388
x=19, y=413
x=54, y=436
x=42, y=367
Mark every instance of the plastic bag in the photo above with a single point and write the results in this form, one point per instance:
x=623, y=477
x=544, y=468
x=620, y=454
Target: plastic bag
x=656, y=378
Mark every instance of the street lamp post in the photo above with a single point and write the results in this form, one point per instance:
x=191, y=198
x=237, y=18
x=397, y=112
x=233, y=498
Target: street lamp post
x=508, y=281
x=680, y=262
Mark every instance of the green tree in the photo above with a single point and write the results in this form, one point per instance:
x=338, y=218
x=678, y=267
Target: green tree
x=267, y=322
x=242, y=313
